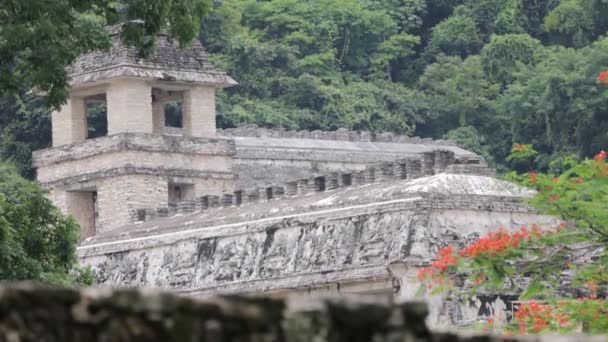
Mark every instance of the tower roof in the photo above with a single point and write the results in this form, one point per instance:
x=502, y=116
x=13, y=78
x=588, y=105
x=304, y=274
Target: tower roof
x=168, y=62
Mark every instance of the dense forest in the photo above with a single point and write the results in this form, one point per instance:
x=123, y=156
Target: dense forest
x=486, y=73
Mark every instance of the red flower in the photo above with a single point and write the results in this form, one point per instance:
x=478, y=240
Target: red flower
x=554, y=197
x=602, y=77
x=600, y=156
x=423, y=273
x=446, y=259
x=533, y=176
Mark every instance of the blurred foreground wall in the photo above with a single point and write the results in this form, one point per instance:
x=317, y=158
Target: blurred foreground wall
x=28, y=314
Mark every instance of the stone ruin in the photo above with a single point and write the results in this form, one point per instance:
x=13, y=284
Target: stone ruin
x=170, y=202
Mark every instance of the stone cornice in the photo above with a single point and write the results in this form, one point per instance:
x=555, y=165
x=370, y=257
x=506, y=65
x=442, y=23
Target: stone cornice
x=216, y=79
x=134, y=142
x=133, y=170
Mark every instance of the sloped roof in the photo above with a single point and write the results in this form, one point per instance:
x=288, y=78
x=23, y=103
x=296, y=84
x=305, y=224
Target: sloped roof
x=169, y=62
x=454, y=189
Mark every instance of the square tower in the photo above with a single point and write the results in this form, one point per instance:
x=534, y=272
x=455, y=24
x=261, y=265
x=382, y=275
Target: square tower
x=154, y=139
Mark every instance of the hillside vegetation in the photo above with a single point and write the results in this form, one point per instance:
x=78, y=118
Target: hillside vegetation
x=487, y=73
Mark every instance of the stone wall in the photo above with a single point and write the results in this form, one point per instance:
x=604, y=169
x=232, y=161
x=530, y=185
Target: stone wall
x=341, y=134
x=116, y=197
x=29, y=314
x=90, y=159
x=266, y=157
x=130, y=171
x=429, y=163
x=371, y=238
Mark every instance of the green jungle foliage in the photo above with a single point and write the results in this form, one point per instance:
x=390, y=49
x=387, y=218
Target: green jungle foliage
x=39, y=38
x=487, y=73
x=37, y=242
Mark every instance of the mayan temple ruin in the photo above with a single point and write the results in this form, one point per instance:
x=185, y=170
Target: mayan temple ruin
x=200, y=211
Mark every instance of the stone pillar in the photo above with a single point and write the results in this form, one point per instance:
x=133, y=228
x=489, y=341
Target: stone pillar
x=198, y=110
x=129, y=107
x=413, y=169
x=291, y=189
x=399, y=170
x=331, y=181
x=358, y=178
x=428, y=163
x=385, y=172
x=370, y=174
x=202, y=203
x=158, y=116
x=302, y=187
x=70, y=122
x=442, y=160
x=227, y=200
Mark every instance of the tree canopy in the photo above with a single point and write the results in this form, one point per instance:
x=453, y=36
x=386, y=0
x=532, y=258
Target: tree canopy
x=37, y=242
x=510, y=71
x=40, y=38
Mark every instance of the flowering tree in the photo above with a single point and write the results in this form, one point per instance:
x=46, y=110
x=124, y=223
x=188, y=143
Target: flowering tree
x=560, y=274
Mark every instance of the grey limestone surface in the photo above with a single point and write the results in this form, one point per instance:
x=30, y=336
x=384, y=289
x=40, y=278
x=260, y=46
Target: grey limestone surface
x=344, y=236
x=264, y=161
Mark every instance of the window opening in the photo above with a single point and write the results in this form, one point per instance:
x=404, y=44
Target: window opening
x=173, y=114
x=97, y=117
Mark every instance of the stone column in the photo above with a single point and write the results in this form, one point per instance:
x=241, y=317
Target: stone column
x=428, y=163
x=331, y=181
x=399, y=170
x=302, y=187
x=129, y=107
x=158, y=116
x=70, y=122
x=198, y=110
x=227, y=200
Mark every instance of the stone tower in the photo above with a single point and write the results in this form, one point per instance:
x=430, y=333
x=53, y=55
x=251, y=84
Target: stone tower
x=141, y=157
